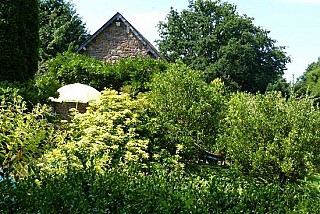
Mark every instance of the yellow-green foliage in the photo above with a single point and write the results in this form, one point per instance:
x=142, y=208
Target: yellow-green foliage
x=104, y=137
x=23, y=135
x=112, y=159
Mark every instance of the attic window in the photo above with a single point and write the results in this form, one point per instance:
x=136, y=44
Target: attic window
x=118, y=24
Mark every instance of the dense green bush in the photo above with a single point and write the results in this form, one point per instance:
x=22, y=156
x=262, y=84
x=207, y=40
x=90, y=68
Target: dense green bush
x=187, y=109
x=105, y=160
x=69, y=68
x=282, y=86
x=106, y=137
x=86, y=191
x=34, y=91
x=127, y=154
x=272, y=137
x=8, y=93
x=130, y=75
x=24, y=135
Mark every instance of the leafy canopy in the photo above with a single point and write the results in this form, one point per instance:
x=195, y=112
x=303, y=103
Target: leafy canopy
x=309, y=82
x=213, y=37
x=60, y=26
x=127, y=74
x=188, y=109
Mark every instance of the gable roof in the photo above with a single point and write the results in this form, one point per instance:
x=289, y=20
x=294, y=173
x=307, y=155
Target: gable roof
x=138, y=35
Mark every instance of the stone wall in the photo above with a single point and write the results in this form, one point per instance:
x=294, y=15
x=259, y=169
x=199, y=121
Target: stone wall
x=115, y=42
x=63, y=109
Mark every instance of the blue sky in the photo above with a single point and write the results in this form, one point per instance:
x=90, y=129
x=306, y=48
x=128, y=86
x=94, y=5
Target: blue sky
x=293, y=23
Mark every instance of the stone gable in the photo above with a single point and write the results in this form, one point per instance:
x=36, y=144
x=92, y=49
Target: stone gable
x=117, y=40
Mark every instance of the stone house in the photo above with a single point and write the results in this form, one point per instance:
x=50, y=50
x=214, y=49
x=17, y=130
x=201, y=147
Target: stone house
x=116, y=39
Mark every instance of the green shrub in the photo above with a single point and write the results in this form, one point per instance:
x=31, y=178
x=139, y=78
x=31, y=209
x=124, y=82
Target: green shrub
x=23, y=135
x=105, y=161
x=188, y=111
x=45, y=86
x=7, y=92
x=270, y=137
x=106, y=134
x=86, y=191
x=26, y=90
x=34, y=91
x=69, y=68
x=137, y=73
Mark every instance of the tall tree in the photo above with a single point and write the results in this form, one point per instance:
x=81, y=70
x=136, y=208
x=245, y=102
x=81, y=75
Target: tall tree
x=213, y=37
x=19, y=39
x=309, y=82
x=60, y=26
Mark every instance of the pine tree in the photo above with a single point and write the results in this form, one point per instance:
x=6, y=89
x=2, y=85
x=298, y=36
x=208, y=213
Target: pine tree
x=19, y=39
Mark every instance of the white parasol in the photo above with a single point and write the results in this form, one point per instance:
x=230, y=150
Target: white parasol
x=77, y=92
